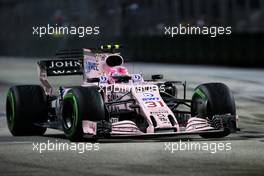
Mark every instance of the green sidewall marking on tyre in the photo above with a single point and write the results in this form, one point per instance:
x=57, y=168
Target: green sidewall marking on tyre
x=10, y=95
x=70, y=96
x=200, y=94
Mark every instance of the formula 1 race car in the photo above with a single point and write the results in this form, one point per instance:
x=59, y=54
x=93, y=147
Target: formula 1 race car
x=111, y=102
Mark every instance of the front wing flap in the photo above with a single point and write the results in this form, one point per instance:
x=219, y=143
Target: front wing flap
x=128, y=129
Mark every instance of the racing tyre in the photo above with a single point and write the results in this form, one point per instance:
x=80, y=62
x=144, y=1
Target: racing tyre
x=26, y=106
x=213, y=99
x=81, y=103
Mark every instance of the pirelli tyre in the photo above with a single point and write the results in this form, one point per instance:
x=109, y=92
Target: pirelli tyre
x=26, y=108
x=212, y=99
x=81, y=103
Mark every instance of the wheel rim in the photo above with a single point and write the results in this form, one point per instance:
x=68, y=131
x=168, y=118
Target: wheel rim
x=70, y=112
x=68, y=115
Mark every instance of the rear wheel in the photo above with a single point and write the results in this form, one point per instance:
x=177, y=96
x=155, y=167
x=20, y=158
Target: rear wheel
x=26, y=107
x=81, y=103
x=213, y=99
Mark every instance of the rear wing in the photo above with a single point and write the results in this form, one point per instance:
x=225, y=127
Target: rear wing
x=66, y=62
x=60, y=67
x=71, y=62
x=86, y=62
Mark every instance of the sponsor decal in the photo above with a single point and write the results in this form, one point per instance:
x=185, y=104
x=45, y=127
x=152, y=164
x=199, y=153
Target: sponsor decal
x=88, y=66
x=62, y=91
x=159, y=112
x=200, y=93
x=148, y=94
x=89, y=127
x=62, y=64
x=103, y=79
x=162, y=118
x=63, y=67
x=160, y=115
x=151, y=99
x=62, y=72
x=136, y=77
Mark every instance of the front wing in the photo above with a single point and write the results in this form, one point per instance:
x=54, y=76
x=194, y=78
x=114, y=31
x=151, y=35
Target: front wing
x=128, y=129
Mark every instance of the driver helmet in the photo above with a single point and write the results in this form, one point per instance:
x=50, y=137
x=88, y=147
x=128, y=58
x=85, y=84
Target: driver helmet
x=117, y=71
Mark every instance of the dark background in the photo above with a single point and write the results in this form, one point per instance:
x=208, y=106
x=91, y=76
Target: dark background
x=139, y=26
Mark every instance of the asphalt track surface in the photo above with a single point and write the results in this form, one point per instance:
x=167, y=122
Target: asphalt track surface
x=245, y=155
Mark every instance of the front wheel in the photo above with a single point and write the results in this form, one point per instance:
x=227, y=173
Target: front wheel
x=212, y=99
x=81, y=103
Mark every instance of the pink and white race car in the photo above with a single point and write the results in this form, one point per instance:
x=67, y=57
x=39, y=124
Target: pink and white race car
x=113, y=103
